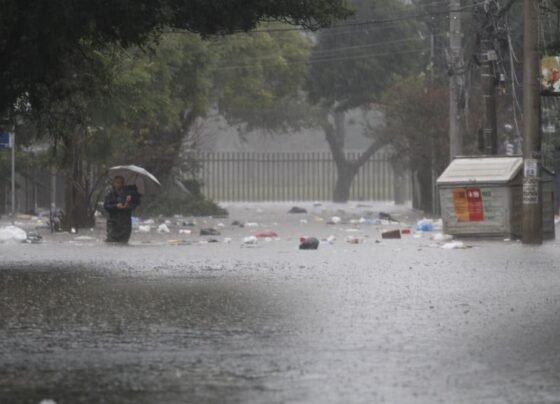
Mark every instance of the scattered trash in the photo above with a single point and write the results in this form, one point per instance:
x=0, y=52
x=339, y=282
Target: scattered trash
x=209, y=232
x=12, y=234
x=47, y=401
x=135, y=220
x=73, y=230
x=149, y=221
x=334, y=220
x=392, y=234
x=144, y=228
x=179, y=242
x=185, y=231
x=303, y=221
x=33, y=238
x=250, y=241
x=297, y=209
x=213, y=240
x=556, y=220
x=441, y=237
x=84, y=238
x=252, y=224
x=227, y=240
x=162, y=228
x=353, y=240
x=237, y=223
x=317, y=204
x=266, y=233
x=388, y=217
x=454, y=245
x=308, y=243
x=425, y=225
x=405, y=231
x=221, y=225
x=330, y=240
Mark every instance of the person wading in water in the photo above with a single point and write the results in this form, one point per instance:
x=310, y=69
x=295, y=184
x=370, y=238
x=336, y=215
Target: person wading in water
x=119, y=204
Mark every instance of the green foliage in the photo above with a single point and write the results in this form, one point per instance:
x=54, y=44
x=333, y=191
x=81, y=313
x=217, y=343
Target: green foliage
x=173, y=204
x=38, y=37
x=65, y=62
x=259, y=78
x=351, y=68
x=418, y=121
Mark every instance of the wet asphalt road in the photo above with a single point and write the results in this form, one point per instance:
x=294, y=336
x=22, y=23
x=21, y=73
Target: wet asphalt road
x=395, y=322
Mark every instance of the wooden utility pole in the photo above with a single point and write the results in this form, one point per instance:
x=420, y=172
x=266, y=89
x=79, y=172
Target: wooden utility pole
x=532, y=194
x=455, y=80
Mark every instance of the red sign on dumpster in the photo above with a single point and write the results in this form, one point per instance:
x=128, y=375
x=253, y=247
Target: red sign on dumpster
x=469, y=204
x=476, y=209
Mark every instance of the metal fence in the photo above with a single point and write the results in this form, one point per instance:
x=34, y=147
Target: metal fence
x=293, y=176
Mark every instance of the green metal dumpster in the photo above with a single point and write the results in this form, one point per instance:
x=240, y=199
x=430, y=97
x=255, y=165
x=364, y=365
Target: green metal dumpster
x=482, y=197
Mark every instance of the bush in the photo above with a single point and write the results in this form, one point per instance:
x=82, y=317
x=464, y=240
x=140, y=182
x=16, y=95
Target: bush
x=186, y=205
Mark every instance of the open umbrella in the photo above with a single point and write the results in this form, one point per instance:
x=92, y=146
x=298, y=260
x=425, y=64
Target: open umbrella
x=134, y=175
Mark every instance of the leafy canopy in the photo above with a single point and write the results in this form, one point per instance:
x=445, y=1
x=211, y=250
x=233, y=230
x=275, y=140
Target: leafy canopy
x=37, y=36
x=350, y=67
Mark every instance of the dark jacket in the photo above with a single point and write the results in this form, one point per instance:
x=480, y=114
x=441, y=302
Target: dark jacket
x=119, y=223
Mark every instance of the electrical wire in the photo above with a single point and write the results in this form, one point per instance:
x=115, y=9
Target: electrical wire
x=325, y=59
x=329, y=52
x=323, y=31
x=378, y=21
x=514, y=83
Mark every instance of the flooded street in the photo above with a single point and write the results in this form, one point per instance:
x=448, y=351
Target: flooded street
x=397, y=321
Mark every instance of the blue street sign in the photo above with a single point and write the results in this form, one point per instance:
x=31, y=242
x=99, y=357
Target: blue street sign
x=5, y=142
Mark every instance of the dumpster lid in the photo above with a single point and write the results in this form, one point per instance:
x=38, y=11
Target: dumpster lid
x=481, y=170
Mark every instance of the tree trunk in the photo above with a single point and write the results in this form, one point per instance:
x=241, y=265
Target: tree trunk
x=78, y=212
x=344, y=179
x=399, y=182
x=346, y=170
x=425, y=189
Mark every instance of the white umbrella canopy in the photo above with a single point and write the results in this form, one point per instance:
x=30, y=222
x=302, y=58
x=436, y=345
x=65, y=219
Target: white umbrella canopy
x=134, y=175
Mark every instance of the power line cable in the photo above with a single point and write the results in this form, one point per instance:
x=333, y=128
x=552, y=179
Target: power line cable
x=378, y=21
x=349, y=24
x=372, y=45
x=325, y=59
x=328, y=53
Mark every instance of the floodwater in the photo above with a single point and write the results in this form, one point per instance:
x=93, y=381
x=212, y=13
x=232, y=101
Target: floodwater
x=400, y=321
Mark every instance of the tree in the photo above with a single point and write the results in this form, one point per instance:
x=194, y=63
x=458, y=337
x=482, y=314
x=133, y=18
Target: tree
x=138, y=106
x=53, y=56
x=260, y=77
x=417, y=118
x=350, y=68
x=135, y=112
x=37, y=37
